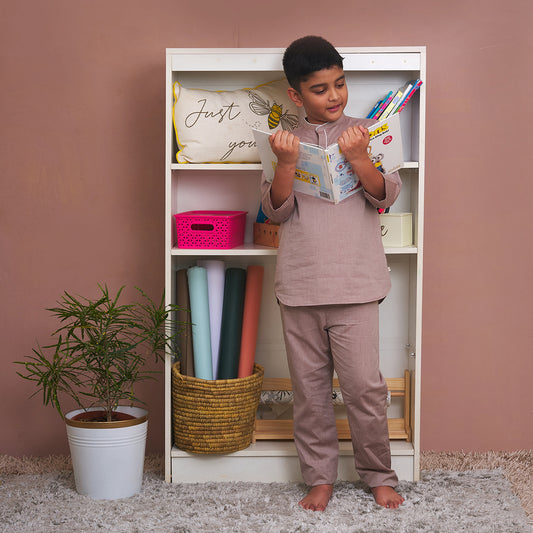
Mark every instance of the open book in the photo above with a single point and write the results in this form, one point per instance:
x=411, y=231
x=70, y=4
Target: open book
x=325, y=173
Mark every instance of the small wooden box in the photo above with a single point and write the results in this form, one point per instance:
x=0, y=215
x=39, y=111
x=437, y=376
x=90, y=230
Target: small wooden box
x=397, y=229
x=266, y=234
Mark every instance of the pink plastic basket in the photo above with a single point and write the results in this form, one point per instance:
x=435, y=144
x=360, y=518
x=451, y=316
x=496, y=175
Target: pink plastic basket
x=210, y=229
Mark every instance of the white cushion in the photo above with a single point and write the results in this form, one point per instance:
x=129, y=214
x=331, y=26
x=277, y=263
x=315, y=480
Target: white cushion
x=216, y=126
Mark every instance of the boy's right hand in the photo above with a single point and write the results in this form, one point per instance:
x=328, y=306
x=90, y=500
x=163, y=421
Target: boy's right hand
x=285, y=146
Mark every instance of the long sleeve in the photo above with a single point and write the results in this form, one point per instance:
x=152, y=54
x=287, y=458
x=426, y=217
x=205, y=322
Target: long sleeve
x=393, y=185
x=282, y=213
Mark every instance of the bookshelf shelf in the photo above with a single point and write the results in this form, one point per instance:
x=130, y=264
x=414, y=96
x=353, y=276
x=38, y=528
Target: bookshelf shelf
x=249, y=249
x=258, y=250
x=243, y=166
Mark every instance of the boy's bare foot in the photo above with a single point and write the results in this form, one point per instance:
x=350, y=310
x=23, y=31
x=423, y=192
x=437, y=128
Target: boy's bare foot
x=387, y=497
x=317, y=498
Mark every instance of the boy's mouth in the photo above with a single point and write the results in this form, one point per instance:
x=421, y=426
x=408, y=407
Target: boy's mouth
x=334, y=108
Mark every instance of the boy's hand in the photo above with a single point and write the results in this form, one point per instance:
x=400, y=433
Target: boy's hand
x=285, y=146
x=354, y=144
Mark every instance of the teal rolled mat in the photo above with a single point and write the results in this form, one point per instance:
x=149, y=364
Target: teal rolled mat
x=231, y=327
x=201, y=335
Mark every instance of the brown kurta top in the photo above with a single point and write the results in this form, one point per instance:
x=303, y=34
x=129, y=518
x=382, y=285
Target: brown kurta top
x=330, y=253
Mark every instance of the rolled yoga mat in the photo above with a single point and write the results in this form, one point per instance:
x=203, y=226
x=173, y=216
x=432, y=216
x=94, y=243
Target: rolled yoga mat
x=215, y=287
x=201, y=335
x=250, y=319
x=230, y=334
x=185, y=326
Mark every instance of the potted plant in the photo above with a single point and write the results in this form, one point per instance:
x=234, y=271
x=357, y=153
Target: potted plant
x=97, y=357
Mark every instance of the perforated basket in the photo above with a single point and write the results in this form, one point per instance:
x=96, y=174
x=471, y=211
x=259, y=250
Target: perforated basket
x=210, y=229
x=215, y=416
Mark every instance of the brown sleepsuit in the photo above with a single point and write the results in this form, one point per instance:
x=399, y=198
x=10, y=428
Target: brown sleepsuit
x=331, y=272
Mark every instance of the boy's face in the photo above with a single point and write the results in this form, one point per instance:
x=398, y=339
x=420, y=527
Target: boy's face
x=323, y=95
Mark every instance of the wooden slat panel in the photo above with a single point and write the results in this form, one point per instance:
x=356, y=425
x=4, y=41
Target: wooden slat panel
x=399, y=428
x=282, y=429
x=395, y=385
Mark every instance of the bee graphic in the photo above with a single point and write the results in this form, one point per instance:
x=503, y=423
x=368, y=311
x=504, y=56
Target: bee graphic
x=275, y=112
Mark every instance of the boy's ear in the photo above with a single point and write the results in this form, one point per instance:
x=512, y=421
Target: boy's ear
x=295, y=96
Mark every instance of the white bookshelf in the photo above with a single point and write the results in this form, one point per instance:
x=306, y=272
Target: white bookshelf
x=370, y=73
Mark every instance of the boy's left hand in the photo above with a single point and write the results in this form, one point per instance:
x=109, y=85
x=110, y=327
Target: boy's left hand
x=353, y=143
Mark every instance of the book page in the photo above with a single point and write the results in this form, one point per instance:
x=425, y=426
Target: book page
x=312, y=173
x=344, y=180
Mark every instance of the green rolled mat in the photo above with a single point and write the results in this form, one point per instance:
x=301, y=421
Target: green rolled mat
x=185, y=326
x=231, y=327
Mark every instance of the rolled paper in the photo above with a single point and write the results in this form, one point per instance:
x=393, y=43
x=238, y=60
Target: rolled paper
x=201, y=335
x=215, y=287
x=230, y=333
x=250, y=319
x=184, y=325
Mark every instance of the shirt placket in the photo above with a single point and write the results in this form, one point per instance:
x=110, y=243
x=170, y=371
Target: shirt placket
x=322, y=136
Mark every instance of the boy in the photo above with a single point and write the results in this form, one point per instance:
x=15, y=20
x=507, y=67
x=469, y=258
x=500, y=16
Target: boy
x=331, y=272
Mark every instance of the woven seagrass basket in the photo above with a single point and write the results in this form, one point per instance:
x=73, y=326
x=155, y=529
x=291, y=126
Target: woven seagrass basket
x=215, y=416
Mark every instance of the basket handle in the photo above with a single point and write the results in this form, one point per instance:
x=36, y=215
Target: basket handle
x=202, y=227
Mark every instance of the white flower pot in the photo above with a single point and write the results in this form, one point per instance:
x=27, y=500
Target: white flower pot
x=108, y=457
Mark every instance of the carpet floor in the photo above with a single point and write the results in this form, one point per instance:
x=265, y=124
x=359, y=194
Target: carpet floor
x=472, y=493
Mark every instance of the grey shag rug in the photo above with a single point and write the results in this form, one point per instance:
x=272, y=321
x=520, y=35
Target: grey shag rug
x=443, y=501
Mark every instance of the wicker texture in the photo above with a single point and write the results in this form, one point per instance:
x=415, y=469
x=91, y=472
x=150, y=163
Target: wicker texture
x=215, y=416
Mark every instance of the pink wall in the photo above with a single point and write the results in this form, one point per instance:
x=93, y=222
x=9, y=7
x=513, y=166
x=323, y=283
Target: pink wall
x=82, y=170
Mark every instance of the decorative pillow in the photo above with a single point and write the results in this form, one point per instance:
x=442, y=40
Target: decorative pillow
x=216, y=126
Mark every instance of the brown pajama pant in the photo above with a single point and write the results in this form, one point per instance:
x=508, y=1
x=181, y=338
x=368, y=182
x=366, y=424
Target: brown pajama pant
x=344, y=338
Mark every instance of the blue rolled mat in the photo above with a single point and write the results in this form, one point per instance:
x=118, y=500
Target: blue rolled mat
x=231, y=327
x=201, y=335
x=215, y=286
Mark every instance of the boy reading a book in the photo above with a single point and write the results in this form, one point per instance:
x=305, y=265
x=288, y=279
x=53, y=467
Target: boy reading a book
x=331, y=273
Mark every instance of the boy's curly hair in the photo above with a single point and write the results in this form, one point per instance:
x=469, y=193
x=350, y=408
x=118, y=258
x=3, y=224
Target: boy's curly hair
x=307, y=55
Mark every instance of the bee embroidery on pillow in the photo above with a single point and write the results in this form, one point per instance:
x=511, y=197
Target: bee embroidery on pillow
x=275, y=112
